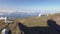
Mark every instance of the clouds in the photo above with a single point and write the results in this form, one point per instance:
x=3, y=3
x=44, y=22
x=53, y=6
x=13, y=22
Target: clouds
x=6, y=10
x=9, y=11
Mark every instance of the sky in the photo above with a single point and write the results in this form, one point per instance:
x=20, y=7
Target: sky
x=31, y=4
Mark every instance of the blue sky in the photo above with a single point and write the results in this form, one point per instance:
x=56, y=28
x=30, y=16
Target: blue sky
x=31, y=4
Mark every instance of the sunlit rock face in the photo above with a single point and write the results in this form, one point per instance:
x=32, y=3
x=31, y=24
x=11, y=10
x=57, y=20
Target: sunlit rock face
x=5, y=31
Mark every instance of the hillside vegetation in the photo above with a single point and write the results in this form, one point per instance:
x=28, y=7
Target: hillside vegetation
x=38, y=21
x=31, y=22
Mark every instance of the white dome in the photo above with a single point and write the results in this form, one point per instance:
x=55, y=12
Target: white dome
x=39, y=15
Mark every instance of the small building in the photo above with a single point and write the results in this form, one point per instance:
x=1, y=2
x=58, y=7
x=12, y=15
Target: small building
x=6, y=19
x=9, y=20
